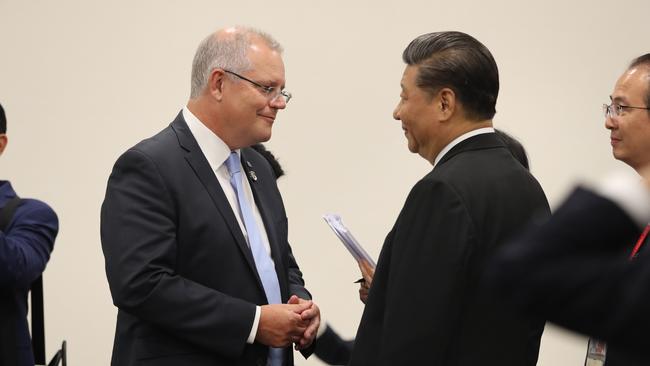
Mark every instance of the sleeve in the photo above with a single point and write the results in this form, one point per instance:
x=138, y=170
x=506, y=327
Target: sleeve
x=138, y=232
x=432, y=246
x=574, y=270
x=296, y=282
x=26, y=246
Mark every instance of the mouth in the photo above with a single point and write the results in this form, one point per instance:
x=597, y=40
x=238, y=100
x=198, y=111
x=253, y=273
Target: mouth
x=270, y=119
x=614, y=141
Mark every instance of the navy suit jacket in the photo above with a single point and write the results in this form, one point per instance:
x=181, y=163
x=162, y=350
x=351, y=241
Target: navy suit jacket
x=425, y=306
x=574, y=271
x=179, y=268
x=25, y=248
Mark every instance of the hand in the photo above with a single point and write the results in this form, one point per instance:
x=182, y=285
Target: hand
x=368, y=272
x=280, y=324
x=311, y=315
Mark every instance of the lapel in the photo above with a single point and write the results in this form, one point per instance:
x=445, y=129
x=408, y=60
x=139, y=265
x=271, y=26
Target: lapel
x=262, y=195
x=195, y=158
x=478, y=142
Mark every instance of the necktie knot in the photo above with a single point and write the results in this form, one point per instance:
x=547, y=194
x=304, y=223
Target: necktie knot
x=232, y=163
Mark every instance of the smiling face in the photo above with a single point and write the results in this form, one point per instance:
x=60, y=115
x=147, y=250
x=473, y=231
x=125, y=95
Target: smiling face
x=248, y=113
x=418, y=112
x=630, y=131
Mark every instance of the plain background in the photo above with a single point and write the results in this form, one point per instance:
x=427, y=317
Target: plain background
x=81, y=81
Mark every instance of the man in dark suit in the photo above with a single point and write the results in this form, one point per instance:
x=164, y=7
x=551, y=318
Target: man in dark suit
x=194, y=230
x=576, y=270
x=424, y=305
x=26, y=241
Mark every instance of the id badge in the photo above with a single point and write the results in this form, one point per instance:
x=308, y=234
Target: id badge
x=596, y=353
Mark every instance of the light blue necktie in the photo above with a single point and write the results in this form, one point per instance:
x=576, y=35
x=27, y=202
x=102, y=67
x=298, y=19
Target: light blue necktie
x=263, y=261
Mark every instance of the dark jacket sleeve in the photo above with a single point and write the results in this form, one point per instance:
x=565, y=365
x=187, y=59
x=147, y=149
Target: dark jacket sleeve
x=426, y=254
x=574, y=270
x=138, y=231
x=26, y=245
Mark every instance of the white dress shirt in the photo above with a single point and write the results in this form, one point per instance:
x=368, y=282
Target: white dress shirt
x=216, y=152
x=459, y=139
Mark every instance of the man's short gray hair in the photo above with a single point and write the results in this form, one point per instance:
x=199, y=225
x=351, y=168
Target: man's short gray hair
x=225, y=52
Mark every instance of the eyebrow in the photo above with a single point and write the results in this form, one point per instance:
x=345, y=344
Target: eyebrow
x=617, y=99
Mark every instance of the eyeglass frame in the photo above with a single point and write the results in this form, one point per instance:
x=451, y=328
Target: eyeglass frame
x=614, y=109
x=268, y=90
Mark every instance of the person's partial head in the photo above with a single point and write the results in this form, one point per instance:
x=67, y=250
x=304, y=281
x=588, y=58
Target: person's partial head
x=273, y=161
x=516, y=148
x=3, y=130
x=628, y=115
x=450, y=78
x=238, y=85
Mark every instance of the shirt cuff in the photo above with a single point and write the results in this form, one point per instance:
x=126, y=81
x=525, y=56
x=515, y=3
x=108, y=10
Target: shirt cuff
x=630, y=192
x=256, y=324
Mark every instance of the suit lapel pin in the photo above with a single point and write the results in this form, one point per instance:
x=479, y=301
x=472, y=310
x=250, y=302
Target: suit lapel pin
x=253, y=176
x=249, y=164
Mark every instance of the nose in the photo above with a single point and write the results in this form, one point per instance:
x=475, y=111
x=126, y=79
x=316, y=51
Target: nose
x=610, y=124
x=396, y=112
x=278, y=102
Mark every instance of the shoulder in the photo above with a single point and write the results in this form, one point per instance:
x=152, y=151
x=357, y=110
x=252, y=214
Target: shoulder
x=434, y=191
x=150, y=151
x=33, y=211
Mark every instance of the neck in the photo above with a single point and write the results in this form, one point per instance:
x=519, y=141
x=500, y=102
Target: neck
x=205, y=113
x=456, y=129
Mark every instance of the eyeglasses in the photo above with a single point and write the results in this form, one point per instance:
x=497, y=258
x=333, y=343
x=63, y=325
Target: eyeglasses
x=614, y=110
x=270, y=92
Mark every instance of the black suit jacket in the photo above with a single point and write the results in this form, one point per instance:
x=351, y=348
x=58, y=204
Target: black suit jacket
x=574, y=270
x=177, y=263
x=425, y=306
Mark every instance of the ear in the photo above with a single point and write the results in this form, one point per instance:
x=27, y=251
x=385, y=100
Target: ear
x=446, y=101
x=3, y=142
x=215, y=83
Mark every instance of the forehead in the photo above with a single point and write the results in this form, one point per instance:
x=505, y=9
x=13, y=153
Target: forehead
x=409, y=77
x=266, y=62
x=632, y=86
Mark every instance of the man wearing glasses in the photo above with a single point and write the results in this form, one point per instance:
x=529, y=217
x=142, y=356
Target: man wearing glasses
x=193, y=227
x=588, y=267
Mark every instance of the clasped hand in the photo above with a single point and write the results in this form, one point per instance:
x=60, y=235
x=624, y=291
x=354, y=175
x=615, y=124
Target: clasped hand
x=294, y=322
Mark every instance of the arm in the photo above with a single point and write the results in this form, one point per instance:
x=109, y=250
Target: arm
x=574, y=270
x=26, y=246
x=430, y=266
x=311, y=315
x=138, y=230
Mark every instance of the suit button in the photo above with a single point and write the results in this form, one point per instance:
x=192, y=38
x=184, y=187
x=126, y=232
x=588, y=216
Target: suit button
x=260, y=362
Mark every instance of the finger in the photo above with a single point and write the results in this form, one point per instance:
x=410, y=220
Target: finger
x=300, y=307
x=293, y=300
x=309, y=313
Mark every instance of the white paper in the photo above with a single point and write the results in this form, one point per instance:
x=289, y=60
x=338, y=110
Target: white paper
x=348, y=240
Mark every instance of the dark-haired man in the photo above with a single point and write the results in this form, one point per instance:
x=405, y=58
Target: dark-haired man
x=424, y=305
x=588, y=267
x=26, y=241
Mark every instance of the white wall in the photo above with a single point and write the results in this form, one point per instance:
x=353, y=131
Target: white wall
x=81, y=81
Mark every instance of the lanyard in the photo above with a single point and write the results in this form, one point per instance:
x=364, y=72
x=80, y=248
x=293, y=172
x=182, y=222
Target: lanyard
x=639, y=242
x=596, y=349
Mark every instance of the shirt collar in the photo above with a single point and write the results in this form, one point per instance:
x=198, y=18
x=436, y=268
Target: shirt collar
x=459, y=139
x=213, y=147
